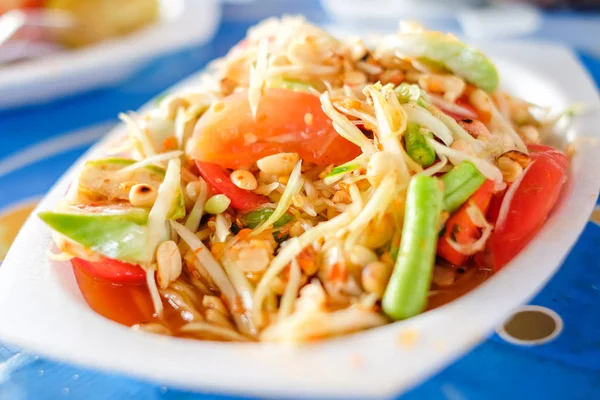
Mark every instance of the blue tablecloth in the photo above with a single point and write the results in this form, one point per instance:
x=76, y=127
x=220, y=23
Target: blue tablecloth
x=36, y=151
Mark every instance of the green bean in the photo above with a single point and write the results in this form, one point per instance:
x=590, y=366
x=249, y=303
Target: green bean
x=256, y=217
x=406, y=293
x=459, y=184
x=417, y=147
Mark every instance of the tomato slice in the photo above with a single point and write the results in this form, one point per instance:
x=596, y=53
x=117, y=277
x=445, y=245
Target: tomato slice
x=457, y=116
x=286, y=121
x=8, y=5
x=220, y=183
x=558, y=156
x=527, y=203
x=128, y=303
x=464, y=102
x=495, y=204
x=111, y=270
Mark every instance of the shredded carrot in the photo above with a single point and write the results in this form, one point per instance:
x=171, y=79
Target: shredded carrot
x=307, y=259
x=436, y=87
x=338, y=273
x=244, y=233
x=351, y=103
x=286, y=273
x=217, y=250
x=170, y=143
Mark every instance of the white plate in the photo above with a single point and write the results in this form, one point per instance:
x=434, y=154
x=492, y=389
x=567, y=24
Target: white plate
x=42, y=311
x=183, y=23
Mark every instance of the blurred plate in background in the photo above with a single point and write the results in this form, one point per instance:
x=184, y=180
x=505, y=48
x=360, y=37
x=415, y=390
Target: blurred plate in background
x=183, y=23
x=473, y=18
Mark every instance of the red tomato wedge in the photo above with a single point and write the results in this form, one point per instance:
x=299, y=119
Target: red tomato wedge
x=218, y=179
x=461, y=229
x=527, y=203
x=458, y=116
x=126, y=303
x=495, y=204
x=8, y=5
x=114, y=271
x=286, y=121
x=464, y=103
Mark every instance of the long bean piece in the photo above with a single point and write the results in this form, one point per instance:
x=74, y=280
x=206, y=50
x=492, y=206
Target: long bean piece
x=417, y=147
x=406, y=293
x=254, y=218
x=459, y=184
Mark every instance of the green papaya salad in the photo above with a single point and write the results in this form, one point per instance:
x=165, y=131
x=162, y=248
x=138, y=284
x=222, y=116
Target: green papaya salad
x=308, y=187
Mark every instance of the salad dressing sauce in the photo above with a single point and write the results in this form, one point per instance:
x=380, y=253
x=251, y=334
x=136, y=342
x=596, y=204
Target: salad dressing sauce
x=464, y=283
x=130, y=304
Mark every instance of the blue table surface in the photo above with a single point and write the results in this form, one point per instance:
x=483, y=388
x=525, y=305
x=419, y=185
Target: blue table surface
x=567, y=368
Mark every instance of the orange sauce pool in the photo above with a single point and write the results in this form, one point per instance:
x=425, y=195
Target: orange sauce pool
x=130, y=304
x=464, y=283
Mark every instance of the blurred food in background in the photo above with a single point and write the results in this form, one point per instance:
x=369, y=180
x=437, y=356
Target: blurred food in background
x=10, y=223
x=34, y=28
x=97, y=20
